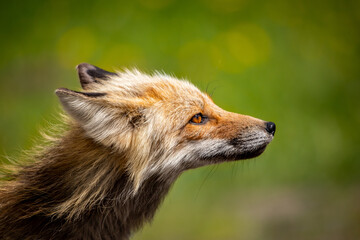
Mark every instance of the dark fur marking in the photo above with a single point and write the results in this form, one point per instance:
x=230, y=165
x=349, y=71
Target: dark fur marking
x=114, y=218
x=91, y=94
x=100, y=73
x=89, y=74
x=136, y=120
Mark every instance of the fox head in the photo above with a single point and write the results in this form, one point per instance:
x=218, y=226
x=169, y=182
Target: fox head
x=161, y=124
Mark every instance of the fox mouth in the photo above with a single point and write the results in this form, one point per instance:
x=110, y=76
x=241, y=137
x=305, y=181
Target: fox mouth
x=250, y=154
x=237, y=155
x=249, y=146
x=213, y=151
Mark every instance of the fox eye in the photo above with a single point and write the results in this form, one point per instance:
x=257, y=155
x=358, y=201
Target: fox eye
x=199, y=119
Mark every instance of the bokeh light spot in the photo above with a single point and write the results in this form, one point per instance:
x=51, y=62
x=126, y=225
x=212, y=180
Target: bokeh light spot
x=244, y=46
x=75, y=46
x=124, y=56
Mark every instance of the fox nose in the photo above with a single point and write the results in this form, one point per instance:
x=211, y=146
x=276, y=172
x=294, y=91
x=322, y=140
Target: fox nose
x=270, y=127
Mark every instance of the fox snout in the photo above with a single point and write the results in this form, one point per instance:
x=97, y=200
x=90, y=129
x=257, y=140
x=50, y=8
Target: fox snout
x=251, y=141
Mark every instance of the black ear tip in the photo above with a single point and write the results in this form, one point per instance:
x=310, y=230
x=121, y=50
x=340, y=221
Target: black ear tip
x=89, y=74
x=83, y=67
x=83, y=70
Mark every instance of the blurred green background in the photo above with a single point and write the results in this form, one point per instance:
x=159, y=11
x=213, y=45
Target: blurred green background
x=296, y=63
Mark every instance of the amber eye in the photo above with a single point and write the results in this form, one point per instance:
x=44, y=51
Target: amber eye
x=198, y=119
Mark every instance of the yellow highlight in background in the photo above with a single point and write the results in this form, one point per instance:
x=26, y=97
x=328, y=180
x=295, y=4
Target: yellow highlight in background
x=75, y=46
x=243, y=46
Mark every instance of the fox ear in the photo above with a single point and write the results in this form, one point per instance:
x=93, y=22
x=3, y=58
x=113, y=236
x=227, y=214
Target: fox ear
x=90, y=74
x=100, y=121
x=81, y=106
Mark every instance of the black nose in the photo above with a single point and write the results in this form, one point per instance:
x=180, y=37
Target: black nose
x=271, y=127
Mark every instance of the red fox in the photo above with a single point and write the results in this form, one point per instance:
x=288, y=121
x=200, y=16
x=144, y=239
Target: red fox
x=129, y=136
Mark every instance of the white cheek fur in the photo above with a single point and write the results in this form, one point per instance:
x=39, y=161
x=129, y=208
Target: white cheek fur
x=190, y=154
x=194, y=151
